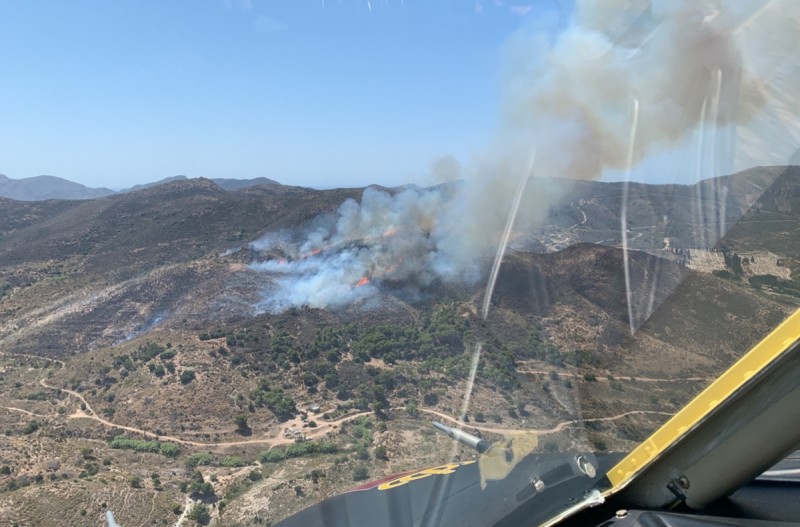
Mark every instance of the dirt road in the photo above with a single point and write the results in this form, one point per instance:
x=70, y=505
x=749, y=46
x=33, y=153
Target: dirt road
x=323, y=427
x=616, y=378
x=540, y=431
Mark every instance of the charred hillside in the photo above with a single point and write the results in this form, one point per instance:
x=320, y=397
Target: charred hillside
x=534, y=283
x=86, y=274
x=773, y=222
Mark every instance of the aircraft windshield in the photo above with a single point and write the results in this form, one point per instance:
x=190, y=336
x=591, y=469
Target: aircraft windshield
x=354, y=288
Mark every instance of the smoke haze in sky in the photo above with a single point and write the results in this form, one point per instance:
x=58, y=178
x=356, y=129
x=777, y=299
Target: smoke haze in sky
x=620, y=81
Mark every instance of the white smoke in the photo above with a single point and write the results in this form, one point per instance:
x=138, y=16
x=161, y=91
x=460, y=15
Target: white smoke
x=573, y=90
x=328, y=281
x=444, y=169
x=384, y=238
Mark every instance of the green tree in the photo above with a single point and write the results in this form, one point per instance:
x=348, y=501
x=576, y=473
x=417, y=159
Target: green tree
x=198, y=487
x=233, y=461
x=309, y=379
x=381, y=453
x=361, y=452
x=200, y=514
x=241, y=423
x=169, y=449
x=31, y=427
x=198, y=458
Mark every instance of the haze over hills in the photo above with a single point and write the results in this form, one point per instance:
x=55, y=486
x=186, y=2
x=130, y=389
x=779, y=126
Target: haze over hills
x=226, y=183
x=47, y=187
x=40, y=188
x=146, y=314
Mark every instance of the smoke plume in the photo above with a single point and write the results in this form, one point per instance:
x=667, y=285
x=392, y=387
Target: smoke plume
x=599, y=89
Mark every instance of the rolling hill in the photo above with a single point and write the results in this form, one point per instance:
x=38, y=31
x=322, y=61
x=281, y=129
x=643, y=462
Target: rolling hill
x=39, y=188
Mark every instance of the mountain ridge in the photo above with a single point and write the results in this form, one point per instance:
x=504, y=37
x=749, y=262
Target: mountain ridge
x=39, y=188
x=44, y=187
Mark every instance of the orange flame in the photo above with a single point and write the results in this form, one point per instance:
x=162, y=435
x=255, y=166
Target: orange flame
x=391, y=231
x=363, y=281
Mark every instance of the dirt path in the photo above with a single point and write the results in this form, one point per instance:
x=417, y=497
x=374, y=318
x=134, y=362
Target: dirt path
x=615, y=378
x=580, y=222
x=60, y=362
x=23, y=411
x=324, y=427
x=541, y=431
x=188, y=503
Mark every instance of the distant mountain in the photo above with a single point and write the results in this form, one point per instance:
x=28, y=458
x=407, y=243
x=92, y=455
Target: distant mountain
x=154, y=183
x=164, y=223
x=658, y=216
x=41, y=188
x=226, y=183
x=236, y=184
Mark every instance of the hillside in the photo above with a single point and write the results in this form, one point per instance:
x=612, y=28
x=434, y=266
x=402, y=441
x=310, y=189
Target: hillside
x=658, y=216
x=226, y=183
x=142, y=314
x=39, y=188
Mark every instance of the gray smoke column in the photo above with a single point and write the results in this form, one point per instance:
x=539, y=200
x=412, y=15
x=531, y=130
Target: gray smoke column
x=575, y=86
x=686, y=63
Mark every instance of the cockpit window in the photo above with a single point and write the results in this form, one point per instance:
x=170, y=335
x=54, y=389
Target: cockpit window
x=285, y=250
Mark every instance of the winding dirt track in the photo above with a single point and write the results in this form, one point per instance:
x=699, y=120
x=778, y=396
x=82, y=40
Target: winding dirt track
x=22, y=411
x=542, y=431
x=622, y=378
x=323, y=427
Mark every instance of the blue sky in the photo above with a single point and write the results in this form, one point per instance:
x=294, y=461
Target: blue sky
x=308, y=92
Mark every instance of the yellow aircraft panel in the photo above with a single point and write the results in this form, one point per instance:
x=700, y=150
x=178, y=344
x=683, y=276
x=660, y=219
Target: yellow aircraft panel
x=726, y=385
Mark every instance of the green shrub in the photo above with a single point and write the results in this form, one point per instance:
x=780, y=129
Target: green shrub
x=197, y=459
x=200, y=514
x=233, y=462
x=297, y=450
x=140, y=445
